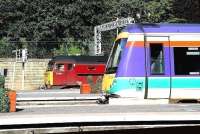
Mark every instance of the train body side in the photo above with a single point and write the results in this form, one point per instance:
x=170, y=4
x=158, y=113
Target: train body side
x=72, y=72
x=159, y=61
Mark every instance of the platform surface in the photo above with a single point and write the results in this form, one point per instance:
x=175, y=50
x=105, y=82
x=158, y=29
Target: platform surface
x=119, y=110
x=103, y=113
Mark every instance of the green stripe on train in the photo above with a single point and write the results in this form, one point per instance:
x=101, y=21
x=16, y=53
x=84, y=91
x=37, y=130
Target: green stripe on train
x=160, y=83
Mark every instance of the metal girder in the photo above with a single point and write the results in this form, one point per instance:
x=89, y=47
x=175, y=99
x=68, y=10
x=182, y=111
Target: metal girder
x=106, y=27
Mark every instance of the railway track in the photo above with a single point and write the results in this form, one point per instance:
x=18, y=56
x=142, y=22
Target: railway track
x=101, y=127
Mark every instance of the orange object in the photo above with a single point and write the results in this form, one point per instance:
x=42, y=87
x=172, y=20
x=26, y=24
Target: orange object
x=12, y=98
x=85, y=89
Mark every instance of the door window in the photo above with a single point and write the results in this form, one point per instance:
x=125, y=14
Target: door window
x=156, y=58
x=69, y=67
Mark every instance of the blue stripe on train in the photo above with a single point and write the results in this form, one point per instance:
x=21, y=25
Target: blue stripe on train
x=188, y=82
x=138, y=83
x=124, y=83
x=176, y=82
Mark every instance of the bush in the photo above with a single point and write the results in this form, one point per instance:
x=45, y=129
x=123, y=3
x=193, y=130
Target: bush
x=95, y=85
x=2, y=81
x=4, y=100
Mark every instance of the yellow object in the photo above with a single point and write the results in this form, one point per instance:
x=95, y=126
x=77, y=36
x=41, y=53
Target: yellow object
x=48, y=78
x=107, y=81
x=122, y=35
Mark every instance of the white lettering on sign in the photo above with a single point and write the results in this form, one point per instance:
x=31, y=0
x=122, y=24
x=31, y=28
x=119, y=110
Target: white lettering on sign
x=192, y=53
x=193, y=73
x=193, y=48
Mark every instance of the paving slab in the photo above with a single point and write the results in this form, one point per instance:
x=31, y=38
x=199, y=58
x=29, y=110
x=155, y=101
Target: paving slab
x=99, y=117
x=54, y=94
x=81, y=117
x=135, y=101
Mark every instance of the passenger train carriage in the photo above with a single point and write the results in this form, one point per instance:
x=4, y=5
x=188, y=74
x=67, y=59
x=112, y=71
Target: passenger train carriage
x=155, y=61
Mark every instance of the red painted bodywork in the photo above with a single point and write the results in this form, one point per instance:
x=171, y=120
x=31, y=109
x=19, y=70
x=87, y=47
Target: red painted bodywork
x=64, y=77
x=77, y=73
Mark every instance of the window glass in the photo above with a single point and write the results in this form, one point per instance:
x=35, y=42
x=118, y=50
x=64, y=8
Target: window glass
x=187, y=60
x=60, y=67
x=116, y=55
x=70, y=67
x=156, y=58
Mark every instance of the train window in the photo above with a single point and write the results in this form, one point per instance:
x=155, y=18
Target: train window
x=115, y=56
x=70, y=67
x=60, y=67
x=186, y=60
x=156, y=58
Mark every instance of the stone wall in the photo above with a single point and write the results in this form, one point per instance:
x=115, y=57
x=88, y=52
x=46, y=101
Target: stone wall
x=34, y=71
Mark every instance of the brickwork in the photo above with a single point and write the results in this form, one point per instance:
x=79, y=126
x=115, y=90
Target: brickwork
x=34, y=73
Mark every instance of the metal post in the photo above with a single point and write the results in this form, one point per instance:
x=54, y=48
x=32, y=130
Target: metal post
x=24, y=59
x=117, y=26
x=98, y=43
x=20, y=56
x=23, y=74
x=95, y=40
x=106, y=27
x=14, y=67
x=65, y=47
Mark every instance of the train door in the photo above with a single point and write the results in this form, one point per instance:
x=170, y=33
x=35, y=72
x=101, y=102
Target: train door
x=64, y=74
x=71, y=76
x=157, y=67
x=59, y=74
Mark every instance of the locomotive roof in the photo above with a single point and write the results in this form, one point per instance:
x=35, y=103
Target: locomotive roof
x=81, y=59
x=163, y=28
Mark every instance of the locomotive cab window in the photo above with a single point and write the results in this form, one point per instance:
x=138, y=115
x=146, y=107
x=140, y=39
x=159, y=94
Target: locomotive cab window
x=156, y=58
x=187, y=60
x=60, y=67
x=115, y=56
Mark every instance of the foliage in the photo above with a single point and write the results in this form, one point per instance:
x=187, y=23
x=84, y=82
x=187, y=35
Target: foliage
x=187, y=10
x=159, y=11
x=72, y=49
x=2, y=81
x=77, y=47
x=4, y=101
x=56, y=21
x=6, y=48
x=61, y=51
x=123, y=8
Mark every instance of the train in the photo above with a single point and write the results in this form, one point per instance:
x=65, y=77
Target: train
x=155, y=61
x=68, y=71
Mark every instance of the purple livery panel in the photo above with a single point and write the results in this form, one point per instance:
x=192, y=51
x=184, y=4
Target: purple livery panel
x=162, y=28
x=133, y=62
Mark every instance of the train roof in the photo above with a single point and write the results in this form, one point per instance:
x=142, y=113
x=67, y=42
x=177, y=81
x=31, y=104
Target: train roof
x=163, y=28
x=80, y=59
